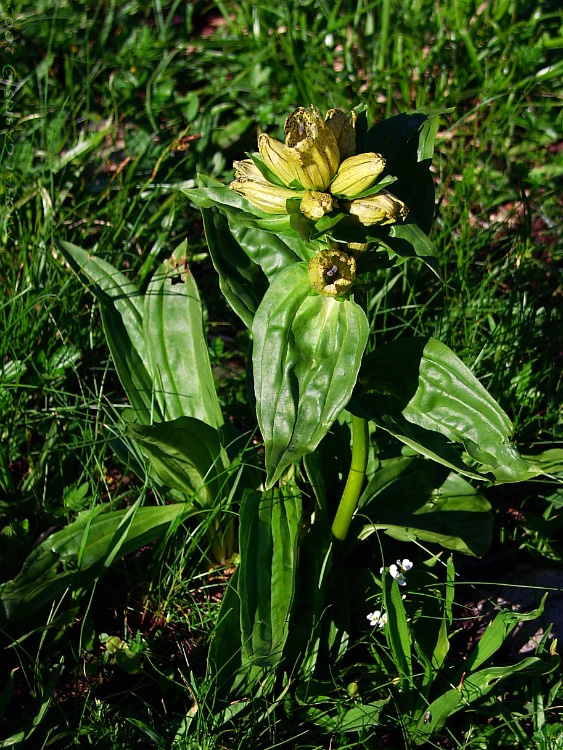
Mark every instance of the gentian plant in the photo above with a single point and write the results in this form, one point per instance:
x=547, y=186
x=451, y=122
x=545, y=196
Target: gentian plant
x=295, y=239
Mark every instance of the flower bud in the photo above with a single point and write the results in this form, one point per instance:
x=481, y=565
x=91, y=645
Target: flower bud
x=277, y=157
x=269, y=198
x=356, y=174
x=343, y=128
x=307, y=136
x=315, y=205
x=332, y=273
x=382, y=208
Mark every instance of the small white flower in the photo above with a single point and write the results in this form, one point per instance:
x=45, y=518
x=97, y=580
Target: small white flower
x=398, y=570
x=395, y=573
x=377, y=619
x=374, y=618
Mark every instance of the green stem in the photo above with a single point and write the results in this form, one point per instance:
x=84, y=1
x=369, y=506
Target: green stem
x=355, y=481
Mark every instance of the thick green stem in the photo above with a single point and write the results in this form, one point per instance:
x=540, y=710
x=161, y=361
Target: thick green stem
x=355, y=481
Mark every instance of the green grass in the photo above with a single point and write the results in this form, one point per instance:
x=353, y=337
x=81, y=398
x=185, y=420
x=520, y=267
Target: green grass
x=119, y=105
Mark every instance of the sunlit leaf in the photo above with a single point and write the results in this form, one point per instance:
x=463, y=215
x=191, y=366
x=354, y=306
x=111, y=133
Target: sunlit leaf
x=176, y=345
x=121, y=304
x=421, y=392
x=185, y=455
x=307, y=352
x=269, y=527
x=79, y=553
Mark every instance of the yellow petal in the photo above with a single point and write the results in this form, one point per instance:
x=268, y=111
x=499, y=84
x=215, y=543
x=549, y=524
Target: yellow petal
x=343, y=127
x=317, y=163
x=265, y=196
x=312, y=141
x=356, y=174
x=277, y=157
x=382, y=208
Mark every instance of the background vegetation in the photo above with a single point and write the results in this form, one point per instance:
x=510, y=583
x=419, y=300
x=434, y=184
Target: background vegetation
x=112, y=109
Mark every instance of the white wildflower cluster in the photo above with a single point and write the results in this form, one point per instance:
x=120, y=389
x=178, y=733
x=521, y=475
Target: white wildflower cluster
x=377, y=619
x=397, y=571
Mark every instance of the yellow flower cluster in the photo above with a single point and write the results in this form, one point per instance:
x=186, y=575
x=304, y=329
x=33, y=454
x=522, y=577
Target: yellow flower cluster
x=317, y=165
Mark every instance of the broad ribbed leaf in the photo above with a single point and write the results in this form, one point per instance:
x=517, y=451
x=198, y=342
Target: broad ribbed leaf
x=430, y=398
x=176, y=344
x=402, y=237
x=248, y=247
x=79, y=553
x=213, y=194
x=307, y=352
x=269, y=251
x=185, y=455
x=407, y=143
x=242, y=282
x=269, y=527
x=414, y=499
x=399, y=240
x=121, y=305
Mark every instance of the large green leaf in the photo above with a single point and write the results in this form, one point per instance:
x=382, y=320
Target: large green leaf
x=420, y=392
x=156, y=340
x=411, y=498
x=213, y=194
x=185, y=455
x=407, y=241
x=121, y=305
x=176, y=344
x=269, y=251
x=399, y=240
x=248, y=247
x=242, y=281
x=82, y=551
x=269, y=528
x=407, y=143
x=307, y=351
